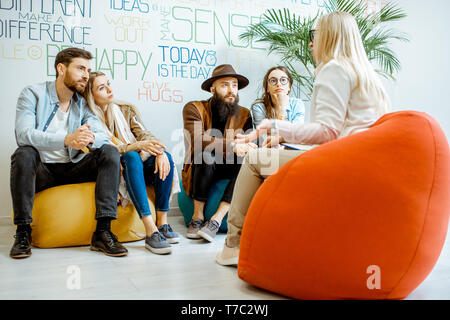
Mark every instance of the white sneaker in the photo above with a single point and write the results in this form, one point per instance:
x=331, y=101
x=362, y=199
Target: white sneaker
x=228, y=256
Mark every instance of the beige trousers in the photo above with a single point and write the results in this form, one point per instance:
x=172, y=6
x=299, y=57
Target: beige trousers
x=258, y=164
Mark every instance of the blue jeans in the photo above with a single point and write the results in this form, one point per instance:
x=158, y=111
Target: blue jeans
x=137, y=173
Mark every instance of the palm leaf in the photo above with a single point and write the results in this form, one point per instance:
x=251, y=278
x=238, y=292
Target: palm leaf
x=287, y=35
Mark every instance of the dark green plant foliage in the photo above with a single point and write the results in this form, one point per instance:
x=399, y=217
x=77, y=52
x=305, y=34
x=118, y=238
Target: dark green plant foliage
x=287, y=34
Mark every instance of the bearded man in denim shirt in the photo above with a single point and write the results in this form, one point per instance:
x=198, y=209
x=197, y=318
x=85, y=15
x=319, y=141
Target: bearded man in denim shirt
x=53, y=125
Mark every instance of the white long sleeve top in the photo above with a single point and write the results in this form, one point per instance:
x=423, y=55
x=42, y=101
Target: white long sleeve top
x=336, y=109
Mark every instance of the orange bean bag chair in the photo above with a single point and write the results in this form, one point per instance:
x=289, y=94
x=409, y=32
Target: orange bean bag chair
x=362, y=217
x=64, y=216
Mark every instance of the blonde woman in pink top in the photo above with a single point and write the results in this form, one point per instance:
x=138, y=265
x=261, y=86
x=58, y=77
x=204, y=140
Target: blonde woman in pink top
x=348, y=97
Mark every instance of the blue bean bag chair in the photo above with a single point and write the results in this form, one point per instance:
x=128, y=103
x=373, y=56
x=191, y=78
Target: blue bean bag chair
x=186, y=204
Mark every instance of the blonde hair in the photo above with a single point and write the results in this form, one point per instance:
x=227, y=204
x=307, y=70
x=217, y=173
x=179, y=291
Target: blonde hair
x=108, y=120
x=339, y=38
x=90, y=97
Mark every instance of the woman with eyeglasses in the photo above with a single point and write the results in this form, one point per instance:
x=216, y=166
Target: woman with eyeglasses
x=348, y=97
x=275, y=102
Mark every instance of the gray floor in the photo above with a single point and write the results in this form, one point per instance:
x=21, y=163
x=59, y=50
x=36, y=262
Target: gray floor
x=188, y=273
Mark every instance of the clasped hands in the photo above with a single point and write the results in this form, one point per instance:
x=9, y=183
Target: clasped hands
x=80, y=138
x=243, y=142
x=155, y=148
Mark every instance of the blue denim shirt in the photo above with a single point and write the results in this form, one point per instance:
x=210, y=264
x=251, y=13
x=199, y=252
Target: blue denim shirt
x=36, y=107
x=295, y=111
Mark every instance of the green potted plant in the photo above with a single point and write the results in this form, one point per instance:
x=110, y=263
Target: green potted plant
x=287, y=34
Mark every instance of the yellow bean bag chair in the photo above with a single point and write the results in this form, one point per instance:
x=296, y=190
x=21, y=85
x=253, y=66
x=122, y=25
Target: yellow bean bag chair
x=64, y=216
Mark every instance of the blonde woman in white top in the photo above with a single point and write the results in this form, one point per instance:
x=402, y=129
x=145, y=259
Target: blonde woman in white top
x=348, y=97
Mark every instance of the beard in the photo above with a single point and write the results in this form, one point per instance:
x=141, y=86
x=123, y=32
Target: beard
x=74, y=86
x=224, y=108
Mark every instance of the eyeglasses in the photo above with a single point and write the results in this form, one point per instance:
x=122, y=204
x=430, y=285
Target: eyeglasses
x=283, y=80
x=312, y=33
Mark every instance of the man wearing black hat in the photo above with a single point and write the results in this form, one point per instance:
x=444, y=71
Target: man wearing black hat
x=211, y=154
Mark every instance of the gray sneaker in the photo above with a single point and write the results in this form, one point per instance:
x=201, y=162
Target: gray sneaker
x=209, y=230
x=156, y=243
x=194, y=227
x=170, y=235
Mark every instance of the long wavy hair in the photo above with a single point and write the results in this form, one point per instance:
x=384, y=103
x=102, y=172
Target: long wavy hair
x=106, y=118
x=338, y=38
x=266, y=99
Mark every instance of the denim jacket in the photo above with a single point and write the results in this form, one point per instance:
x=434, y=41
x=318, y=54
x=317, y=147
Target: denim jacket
x=36, y=107
x=295, y=112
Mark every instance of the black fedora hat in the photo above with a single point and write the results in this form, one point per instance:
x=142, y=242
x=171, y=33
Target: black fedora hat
x=222, y=71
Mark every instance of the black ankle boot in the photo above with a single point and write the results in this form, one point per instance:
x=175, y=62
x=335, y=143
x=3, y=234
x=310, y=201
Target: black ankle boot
x=22, y=245
x=106, y=242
